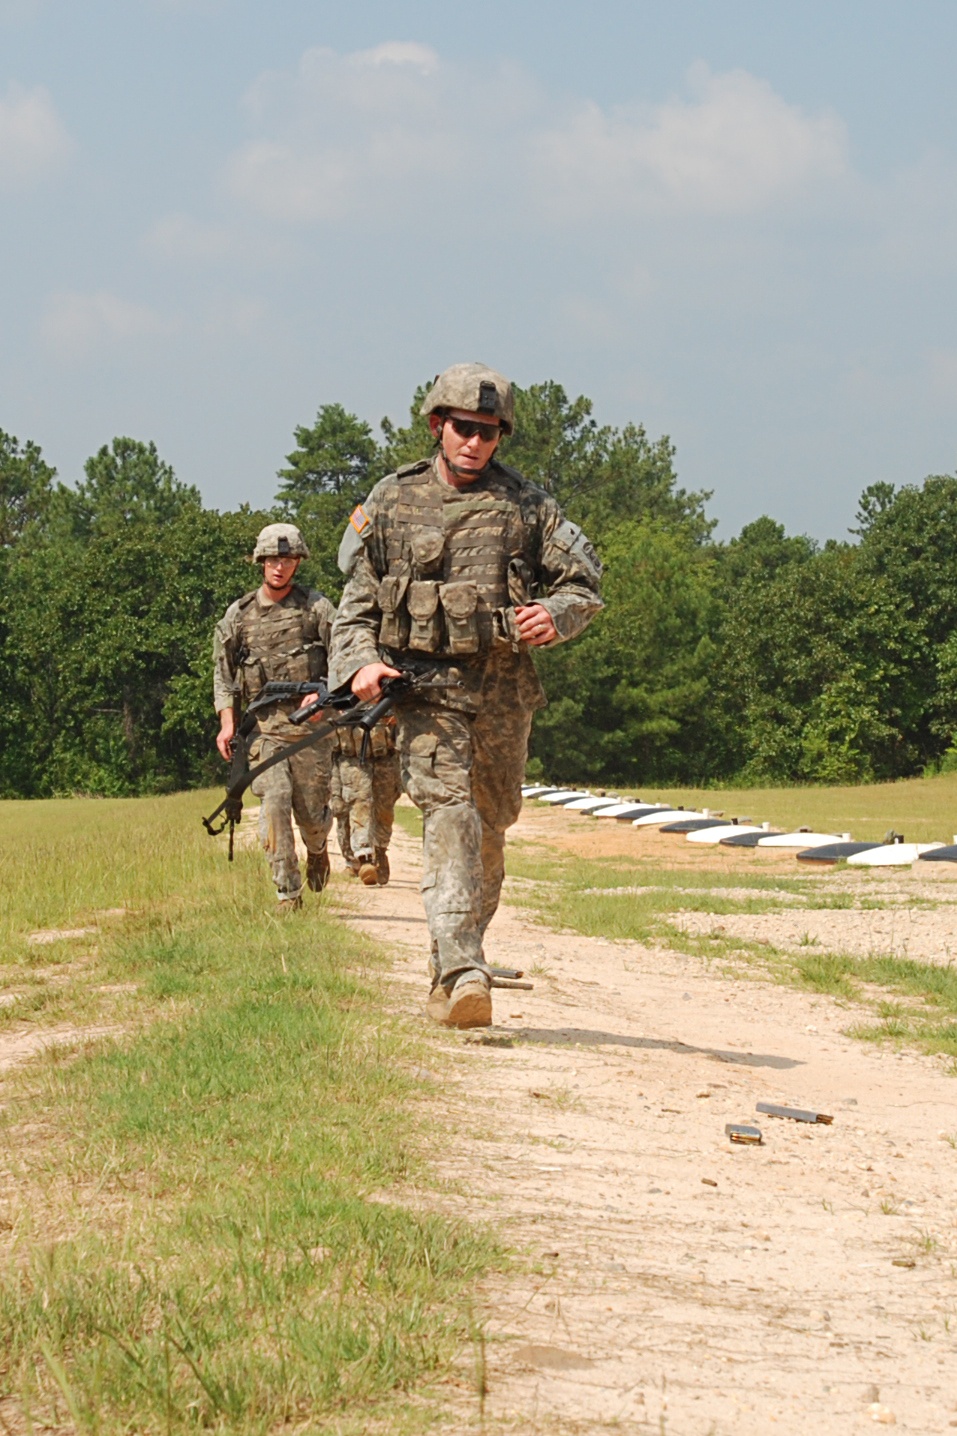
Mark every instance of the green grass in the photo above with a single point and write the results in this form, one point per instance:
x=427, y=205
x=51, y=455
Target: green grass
x=204, y=1227
x=923, y=809
x=409, y=819
x=538, y=862
x=580, y=895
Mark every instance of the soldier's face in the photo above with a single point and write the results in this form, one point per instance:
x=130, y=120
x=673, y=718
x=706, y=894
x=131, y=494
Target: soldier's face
x=278, y=573
x=470, y=452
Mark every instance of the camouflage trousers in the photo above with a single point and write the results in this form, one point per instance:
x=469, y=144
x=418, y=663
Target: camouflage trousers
x=299, y=787
x=466, y=775
x=363, y=802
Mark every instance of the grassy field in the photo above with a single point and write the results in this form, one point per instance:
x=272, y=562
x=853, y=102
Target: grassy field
x=923, y=809
x=636, y=899
x=198, y=1219
x=619, y=898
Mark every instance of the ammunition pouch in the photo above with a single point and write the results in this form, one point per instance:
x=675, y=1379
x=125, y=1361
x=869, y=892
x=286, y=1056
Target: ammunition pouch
x=460, y=604
x=379, y=742
x=425, y=632
x=428, y=547
x=252, y=678
x=394, y=628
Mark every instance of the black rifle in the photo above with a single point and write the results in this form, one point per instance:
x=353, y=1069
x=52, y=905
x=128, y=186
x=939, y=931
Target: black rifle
x=272, y=692
x=412, y=682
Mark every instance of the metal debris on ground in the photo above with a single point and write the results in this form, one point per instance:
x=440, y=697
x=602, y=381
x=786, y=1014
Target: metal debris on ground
x=796, y=1114
x=743, y=1134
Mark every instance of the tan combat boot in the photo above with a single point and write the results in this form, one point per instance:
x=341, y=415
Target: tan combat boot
x=368, y=872
x=468, y=1005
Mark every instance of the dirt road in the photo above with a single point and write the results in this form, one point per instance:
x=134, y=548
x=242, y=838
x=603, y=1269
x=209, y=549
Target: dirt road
x=680, y=1284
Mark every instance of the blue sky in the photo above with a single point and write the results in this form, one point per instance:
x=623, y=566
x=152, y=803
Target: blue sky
x=735, y=223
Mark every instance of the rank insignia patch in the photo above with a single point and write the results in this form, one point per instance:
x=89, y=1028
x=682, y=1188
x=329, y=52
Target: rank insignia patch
x=359, y=519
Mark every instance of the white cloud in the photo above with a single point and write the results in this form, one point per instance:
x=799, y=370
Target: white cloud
x=734, y=148
x=179, y=237
x=33, y=139
x=369, y=131
x=74, y=325
x=375, y=130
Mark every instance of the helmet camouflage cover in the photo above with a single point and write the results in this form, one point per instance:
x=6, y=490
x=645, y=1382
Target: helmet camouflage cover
x=476, y=388
x=280, y=541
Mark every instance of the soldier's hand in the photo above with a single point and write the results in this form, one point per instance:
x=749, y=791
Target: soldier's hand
x=226, y=734
x=307, y=702
x=366, y=685
x=535, y=624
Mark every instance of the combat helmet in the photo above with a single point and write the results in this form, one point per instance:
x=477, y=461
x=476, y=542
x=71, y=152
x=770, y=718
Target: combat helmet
x=280, y=541
x=476, y=388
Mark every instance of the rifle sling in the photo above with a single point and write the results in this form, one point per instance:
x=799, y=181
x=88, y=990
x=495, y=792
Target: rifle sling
x=237, y=789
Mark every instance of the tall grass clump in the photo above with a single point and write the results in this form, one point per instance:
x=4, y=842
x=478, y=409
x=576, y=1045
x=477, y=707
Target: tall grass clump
x=204, y=1227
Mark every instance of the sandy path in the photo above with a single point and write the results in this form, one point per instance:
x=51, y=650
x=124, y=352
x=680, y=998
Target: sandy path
x=686, y=1286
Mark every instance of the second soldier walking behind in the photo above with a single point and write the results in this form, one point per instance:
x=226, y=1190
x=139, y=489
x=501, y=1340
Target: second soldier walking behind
x=279, y=631
x=364, y=795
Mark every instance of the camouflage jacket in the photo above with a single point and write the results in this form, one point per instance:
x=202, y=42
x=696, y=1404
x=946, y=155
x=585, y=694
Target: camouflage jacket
x=256, y=640
x=436, y=572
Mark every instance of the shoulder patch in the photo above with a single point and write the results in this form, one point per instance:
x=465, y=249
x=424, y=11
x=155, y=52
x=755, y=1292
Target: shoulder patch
x=350, y=545
x=359, y=519
x=246, y=599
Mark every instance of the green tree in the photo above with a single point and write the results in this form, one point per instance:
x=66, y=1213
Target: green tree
x=814, y=667
x=126, y=483
x=628, y=699
x=337, y=455
x=107, y=628
x=761, y=551
x=26, y=484
x=336, y=463
x=601, y=476
x=407, y=443
x=909, y=540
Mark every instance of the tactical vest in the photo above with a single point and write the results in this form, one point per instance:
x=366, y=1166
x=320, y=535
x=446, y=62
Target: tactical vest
x=455, y=564
x=280, y=642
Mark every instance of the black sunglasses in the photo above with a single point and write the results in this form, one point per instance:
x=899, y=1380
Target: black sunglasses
x=468, y=428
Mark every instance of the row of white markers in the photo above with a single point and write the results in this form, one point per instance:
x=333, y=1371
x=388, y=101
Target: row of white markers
x=707, y=827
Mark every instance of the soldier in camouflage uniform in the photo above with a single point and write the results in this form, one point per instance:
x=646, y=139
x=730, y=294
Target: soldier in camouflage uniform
x=461, y=562
x=279, y=631
x=364, y=795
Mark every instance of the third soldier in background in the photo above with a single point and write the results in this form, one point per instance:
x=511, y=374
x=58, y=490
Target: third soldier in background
x=460, y=562
x=364, y=795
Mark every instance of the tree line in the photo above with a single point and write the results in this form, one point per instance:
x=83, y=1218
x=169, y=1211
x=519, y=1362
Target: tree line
x=765, y=659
